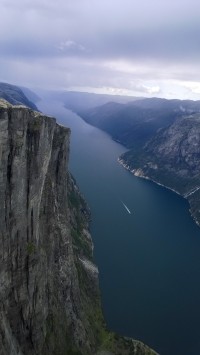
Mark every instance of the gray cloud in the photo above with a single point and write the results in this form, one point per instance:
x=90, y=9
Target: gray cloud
x=125, y=45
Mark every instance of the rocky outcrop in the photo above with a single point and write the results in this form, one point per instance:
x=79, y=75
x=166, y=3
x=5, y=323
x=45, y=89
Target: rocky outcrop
x=172, y=158
x=49, y=295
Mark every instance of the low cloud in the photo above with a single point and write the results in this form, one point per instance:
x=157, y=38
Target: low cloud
x=70, y=45
x=152, y=90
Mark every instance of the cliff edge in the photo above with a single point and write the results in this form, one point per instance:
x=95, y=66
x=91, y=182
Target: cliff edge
x=49, y=294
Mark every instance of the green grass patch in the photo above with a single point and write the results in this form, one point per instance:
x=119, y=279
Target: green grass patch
x=30, y=248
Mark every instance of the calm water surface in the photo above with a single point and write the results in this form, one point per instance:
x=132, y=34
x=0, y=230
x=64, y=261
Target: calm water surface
x=149, y=260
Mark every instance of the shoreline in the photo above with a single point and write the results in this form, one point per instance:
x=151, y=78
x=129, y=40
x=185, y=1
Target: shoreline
x=138, y=173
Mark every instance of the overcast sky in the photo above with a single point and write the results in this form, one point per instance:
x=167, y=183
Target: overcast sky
x=142, y=48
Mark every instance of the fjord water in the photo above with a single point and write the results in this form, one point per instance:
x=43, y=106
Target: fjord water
x=149, y=260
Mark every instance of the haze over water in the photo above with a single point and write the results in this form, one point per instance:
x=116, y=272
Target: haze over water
x=149, y=260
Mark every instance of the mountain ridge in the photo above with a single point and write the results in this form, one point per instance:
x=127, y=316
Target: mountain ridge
x=15, y=96
x=134, y=123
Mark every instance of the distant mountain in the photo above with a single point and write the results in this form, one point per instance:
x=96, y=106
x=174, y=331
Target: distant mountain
x=172, y=158
x=174, y=104
x=15, y=95
x=77, y=101
x=134, y=123
x=83, y=100
x=32, y=96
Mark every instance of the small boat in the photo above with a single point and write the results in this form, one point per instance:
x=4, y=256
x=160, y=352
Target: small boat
x=126, y=207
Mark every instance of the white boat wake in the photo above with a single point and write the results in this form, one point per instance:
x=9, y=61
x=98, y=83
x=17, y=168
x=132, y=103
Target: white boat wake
x=126, y=207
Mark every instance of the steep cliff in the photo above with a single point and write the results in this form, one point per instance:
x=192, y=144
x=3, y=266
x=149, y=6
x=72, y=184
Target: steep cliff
x=172, y=158
x=49, y=295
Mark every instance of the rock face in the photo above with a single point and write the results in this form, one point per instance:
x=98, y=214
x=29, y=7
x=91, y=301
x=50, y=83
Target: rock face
x=40, y=294
x=49, y=295
x=172, y=158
